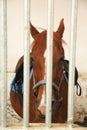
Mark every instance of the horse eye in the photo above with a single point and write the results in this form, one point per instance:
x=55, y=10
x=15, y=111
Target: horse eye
x=35, y=93
x=61, y=59
x=31, y=61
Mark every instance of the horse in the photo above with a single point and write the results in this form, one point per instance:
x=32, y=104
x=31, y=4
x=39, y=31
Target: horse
x=38, y=78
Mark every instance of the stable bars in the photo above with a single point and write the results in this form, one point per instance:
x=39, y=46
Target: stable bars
x=3, y=43
x=49, y=63
x=26, y=62
x=72, y=61
x=3, y=40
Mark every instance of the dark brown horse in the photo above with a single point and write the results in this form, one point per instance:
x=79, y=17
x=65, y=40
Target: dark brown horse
x=38, y=77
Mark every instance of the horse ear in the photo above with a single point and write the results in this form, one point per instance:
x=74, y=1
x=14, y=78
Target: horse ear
x=33, y=30
x=61, y=28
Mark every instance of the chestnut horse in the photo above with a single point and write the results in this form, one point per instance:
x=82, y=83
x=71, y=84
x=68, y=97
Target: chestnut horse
x=38, y=79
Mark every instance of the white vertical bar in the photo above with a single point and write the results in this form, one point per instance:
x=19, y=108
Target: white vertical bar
x=3, y=41
x=73, y=35
x=26, y=62
x=49, y=63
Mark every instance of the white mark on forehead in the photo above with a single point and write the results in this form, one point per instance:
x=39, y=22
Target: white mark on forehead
x=43, y=98
x=30, y=50
x=45, y=54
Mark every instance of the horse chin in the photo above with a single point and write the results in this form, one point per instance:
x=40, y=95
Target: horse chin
x=40, y=115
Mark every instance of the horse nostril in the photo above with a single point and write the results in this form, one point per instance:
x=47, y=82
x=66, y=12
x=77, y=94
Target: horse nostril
x=42, y=110
x=40, y=115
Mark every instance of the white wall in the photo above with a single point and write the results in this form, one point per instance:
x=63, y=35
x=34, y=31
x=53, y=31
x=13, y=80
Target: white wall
x=62, y=9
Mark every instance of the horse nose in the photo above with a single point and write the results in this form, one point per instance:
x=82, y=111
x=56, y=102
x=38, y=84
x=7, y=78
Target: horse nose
x=42, y=109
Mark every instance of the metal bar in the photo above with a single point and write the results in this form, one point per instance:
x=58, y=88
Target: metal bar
x=3, y=41
x=49, y=63
x=26, y=62
x=73, y=35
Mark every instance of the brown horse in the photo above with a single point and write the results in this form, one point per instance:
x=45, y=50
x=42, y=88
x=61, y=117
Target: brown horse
x=38, y=79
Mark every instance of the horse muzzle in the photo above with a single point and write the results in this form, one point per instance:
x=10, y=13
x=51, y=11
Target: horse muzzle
x=42, y=111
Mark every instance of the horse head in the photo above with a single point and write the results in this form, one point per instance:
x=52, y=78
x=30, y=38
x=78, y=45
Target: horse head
x=38, y=57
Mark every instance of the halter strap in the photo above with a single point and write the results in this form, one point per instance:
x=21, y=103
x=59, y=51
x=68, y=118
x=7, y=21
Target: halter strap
x=38, y=84
x=43, y=82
